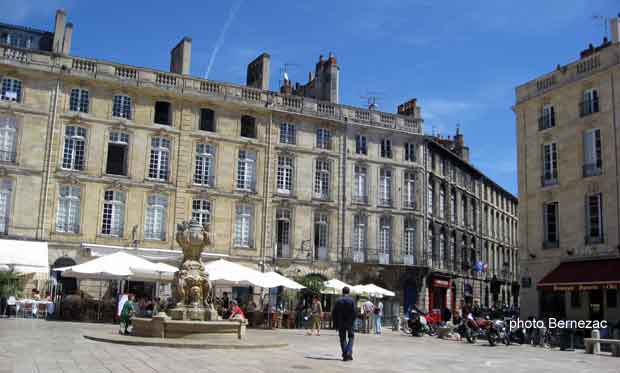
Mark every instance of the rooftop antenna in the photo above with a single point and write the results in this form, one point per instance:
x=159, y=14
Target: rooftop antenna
x=284, y=72
x=605, y=21
x=371, y=99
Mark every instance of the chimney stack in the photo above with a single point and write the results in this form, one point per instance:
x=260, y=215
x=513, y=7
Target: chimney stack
x=615, y=29
x=258, y=72
x=408, y=108
x=59, y=31
x=66, y=42
x=181, y=57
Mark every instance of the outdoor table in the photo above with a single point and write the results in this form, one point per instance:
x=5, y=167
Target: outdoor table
x=35, y=304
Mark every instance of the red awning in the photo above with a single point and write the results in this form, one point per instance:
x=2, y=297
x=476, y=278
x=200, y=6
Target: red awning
x=583, y=275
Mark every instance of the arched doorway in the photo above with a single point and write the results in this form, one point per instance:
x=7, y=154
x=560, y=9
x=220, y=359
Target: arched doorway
x=64, y=285
x=411, y=288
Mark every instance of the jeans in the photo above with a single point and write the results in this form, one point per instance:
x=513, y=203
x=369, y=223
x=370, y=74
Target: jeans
x=346, y=346
x=377, y=324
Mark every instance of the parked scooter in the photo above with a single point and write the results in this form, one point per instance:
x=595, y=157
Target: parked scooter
x=417, y=323
x=496, y=332
x=475, y=328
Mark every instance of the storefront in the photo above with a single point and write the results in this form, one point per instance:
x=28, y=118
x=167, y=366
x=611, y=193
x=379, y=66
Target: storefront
x=438, y=293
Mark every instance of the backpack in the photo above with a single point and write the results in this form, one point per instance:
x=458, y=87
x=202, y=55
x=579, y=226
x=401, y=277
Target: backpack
x=377, y=310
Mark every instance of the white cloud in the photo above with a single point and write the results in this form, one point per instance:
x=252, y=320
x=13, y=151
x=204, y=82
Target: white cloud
x=19, y=11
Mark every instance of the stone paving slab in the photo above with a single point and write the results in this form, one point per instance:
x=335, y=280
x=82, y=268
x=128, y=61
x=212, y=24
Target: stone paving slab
x=44, y=346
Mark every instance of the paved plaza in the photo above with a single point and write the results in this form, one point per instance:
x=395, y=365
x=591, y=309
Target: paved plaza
x=43, y=346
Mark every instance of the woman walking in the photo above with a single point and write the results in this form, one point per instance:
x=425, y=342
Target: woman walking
x=317, y=312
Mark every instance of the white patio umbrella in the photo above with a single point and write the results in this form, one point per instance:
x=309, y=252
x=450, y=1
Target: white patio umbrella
x=223, y=271
x=117, y=266
x=372, y=290
x=335, y=286
x=274, y=279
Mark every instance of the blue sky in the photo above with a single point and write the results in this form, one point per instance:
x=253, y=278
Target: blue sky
x=462, y=60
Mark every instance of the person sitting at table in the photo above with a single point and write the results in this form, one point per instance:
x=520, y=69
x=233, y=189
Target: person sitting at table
x=235, y=312
x=35, y=294
x=48, y=296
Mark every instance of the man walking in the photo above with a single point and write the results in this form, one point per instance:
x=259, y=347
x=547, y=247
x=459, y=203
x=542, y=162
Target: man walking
x=368, y=309
x=343, y=316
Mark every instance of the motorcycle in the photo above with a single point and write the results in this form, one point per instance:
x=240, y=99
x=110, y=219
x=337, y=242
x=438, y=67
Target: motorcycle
x=417, y=324
x=475, y=328
x=496, y=332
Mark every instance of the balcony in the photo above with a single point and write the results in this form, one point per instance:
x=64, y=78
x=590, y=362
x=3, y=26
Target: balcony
x=384, y=202
x=551, y=244
x=360, y=199
x=549, y=180
x=592, y=169
x=546, y=121
x=594, y=240
x=409, y=205
x=588, y=107
x=378, y=257
x=7, y=156
x=4, y=225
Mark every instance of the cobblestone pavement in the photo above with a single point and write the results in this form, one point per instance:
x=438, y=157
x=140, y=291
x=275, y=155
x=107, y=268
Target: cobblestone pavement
x=44, y=346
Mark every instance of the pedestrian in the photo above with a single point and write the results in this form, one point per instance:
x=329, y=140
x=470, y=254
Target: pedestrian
x=126, y=313
x=367, y=312
x=317, y=312
x=378, y=311
x=343, y=316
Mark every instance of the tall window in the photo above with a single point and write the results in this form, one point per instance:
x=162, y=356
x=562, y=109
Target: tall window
x=385, y=187
x=443, y=166
x=11, y=90
x=287, y=133
x=201, y=211
x=321, y=179
x=594, y=218
x=246, y=170
x=205, y=160
x=385, y=239
x=431, y=196
x=243, y=225
x=79, y=100
x=74, y=153
x=323, y=138
x=409, y=194
x=430, y=243
x=438, y=258
x=248, y=126
x=464, y=216
x=386, y=148
x=6, y=188
x=359, y=237
x=8, y=138
x=284, y=177
x=113, y=213
x=442, y=202
x=409, y=249
x=207, y=120
x=68, y=214
x=155, y=222
x=118, y=153
x=360, y=145
x=159, y=166
x=453, y=207
x=163, y=113
x=550, y=164
x=592, y=156
x=547, y=119
x=551, y=224
x=360, y=193
x=410, y=152
x=454, y=251
x=589, y=104
x=121, y=107
x=321, y=235
x=283, y=233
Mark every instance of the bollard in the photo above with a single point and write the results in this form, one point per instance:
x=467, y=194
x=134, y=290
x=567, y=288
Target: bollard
x=396, y=324
x=596, y=348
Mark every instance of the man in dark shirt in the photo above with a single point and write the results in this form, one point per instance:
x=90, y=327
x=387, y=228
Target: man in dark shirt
x=343, y=317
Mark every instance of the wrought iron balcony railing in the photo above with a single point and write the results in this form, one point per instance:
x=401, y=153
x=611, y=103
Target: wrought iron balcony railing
x=588, y=107
x=592, y=169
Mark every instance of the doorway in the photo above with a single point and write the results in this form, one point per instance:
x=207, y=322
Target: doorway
x=596, y=304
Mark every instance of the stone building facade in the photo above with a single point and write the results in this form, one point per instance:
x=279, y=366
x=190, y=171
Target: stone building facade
x=108, y=157
x=567, y=138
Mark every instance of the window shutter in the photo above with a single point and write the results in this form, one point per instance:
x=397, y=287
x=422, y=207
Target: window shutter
x=588, y=148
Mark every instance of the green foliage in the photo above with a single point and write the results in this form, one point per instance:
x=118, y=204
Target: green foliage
x=10, y=284
x=313, y=283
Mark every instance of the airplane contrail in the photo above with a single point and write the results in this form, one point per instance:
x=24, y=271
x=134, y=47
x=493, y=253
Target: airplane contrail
x=220, y=39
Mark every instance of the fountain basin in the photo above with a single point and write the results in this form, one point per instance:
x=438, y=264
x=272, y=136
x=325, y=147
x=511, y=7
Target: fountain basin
x=164, y=327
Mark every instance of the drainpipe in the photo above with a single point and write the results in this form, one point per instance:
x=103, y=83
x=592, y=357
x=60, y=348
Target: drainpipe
x=615, y=124
x=266, y=178
x=343, y=195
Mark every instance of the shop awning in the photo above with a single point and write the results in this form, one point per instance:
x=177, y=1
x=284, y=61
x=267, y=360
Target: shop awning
x=23, y=256
x=583, y=275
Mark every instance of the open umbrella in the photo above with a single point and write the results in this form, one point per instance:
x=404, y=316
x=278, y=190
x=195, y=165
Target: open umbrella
x=223, y=271
x=335, y=286
x=274, y=279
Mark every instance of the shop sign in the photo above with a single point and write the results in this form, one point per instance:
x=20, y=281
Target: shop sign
x=441, y=283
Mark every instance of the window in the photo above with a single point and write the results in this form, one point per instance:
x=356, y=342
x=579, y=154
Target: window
x=113, y=213
x=360, y=193
x=409, y=249
x=464, y=211
x=409, y=193
x=11, y=90
x=323, y=138
x=592, y=156
x=287, y=133
x=6, y=189
x=589, y=105
x=248, y=126
x=454, y=251
x=79, y=100
x=443, y=167
x=16, y=40
x=442, y=202
x=551, y=225
x=321, y=179
x=439, y=255
x=155, y=223
x=201, y=211
x=246, y=170
x=431, y=196
x=205, y=162
x=163, y=113
x=594, y=218
x=547, y=119
x=410, y=152
x=160, y=159
x=207, y=120
x=321, y=236
x=385, y=187
x=8, y=138
x=243, y=226
x=68, y=214
x=453, y=207
x=283, y=233
x=359, y=237
x=550, y=164
x=386, y=148
x=121, y=107
x=74, y=153
x=284, y=177
x=430, y=244
x=360, y=145
x=385, y=239
x=612, y=298
x=118, y=153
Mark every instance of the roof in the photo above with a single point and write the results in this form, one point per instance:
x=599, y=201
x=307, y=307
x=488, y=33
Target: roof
x=587, y=272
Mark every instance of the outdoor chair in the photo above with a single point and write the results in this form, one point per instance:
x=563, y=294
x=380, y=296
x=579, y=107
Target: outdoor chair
x=41, y=311
x=27, y=310
x=11, y=306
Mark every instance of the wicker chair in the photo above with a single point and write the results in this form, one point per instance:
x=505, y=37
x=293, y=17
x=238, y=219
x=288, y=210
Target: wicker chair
x=27, y=310
x=41, y=311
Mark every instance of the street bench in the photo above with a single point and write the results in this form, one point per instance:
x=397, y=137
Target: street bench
x=593, y=345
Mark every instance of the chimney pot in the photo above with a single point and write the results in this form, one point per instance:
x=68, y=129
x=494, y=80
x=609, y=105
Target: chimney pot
x=181, y=57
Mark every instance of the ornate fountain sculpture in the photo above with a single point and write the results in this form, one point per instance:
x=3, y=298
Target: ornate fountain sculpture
x=192, y=282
